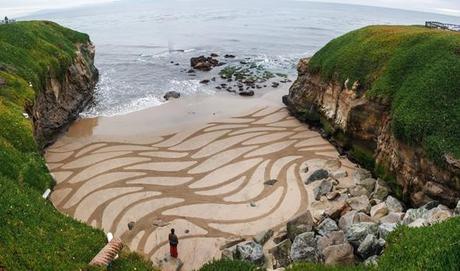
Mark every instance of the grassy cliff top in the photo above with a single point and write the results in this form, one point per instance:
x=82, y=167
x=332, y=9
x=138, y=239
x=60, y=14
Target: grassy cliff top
x=415, y=68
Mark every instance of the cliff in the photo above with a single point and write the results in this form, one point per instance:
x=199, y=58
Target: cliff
x=389, y=96
x=46, y=71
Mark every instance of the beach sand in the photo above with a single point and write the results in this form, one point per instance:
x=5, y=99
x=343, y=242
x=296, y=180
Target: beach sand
x=196, y=164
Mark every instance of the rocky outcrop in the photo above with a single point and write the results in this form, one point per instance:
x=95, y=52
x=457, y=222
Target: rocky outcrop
x=64, y=96
x=361, y=127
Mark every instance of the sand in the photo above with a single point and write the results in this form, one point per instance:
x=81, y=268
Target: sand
x=196, y=164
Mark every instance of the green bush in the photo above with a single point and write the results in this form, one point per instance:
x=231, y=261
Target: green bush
x=415, y=68
x=229, y=265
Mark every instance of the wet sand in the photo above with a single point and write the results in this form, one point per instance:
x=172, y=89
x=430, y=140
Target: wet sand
x=197, y=165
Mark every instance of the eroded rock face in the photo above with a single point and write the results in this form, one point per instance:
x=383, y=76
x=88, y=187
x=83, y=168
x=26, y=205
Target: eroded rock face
x=366, y=124
x=64, y=96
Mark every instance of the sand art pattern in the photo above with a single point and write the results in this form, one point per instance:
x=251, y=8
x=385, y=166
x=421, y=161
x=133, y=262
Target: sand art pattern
x=207, y=182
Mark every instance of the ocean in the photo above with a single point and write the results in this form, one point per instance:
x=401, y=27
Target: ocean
x=143, y=48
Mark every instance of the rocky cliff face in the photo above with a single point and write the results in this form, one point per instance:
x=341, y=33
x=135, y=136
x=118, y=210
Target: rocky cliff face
x=64, y=96
x=362, y=128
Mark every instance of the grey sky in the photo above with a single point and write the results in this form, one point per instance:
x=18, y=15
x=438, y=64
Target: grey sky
x=450, y=7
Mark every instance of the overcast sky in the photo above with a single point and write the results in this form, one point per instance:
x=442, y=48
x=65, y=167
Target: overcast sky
x=450, y=7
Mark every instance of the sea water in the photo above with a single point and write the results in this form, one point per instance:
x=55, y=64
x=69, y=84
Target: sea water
x=143, y=48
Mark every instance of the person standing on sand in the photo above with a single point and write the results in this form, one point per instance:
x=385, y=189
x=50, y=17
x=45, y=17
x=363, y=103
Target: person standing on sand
x=173, y=242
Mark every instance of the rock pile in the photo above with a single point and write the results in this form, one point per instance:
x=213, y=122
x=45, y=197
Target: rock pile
x=203, y=63
x=350, y=219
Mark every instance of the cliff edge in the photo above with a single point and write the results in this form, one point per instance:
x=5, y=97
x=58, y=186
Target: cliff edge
x=389, y=96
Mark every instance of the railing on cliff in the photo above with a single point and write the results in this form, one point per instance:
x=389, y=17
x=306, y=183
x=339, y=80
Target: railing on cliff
x=444, y=26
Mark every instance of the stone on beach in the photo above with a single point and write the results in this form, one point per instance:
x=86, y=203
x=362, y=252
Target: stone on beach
x=322, y=189
x=317, y=175
x=281, y=254
x=370, y=246
x=171, y=94
x=356, y=233
x=304, y=248
x=326, y=226
x=250, y=251
x=360, y=203
x=262, y=237
x=300, y=224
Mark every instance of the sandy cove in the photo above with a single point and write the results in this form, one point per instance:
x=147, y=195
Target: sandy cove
x=196, y=164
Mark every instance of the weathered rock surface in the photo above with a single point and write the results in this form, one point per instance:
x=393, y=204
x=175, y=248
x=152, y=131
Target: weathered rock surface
x=366, y=123
x=250, y=251
x=281, y=254
x=317, y=175
x=304, y=248
x=203, y=63
x=62, y=98
x=322, y=189
x=300, y=224
x=341, y=254
x=356, y=233
x=262, y=237
x=326, y=226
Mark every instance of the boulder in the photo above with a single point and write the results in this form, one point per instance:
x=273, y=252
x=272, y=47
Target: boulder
x=414, y=214
x=246, y=93
x=392, y=218
x=381, y=190
x=353, y=217
x=281, y=254
x=300, y=224
x=371, y=261
x=385, y=229
x=171, y=94
x=229, y=56
x=394, y=205
x=368, y=183
x=378, y=211
x=280, y=237
x=328, y=225
x=250, y=251
x=322, y=189
x=360, y=174
x=457, y=209
x=358, y=190
x=131, y=225
x=304, y=248
x=341, y=254
x=203, y=63
x=263, y=237
x=419, y=222
x=360, y=203
x=356, y=233
x=229, y=253
x=370, y=246
x=332, y=195
x=331, y=239
x=337, y=209
x=317, y=175
x=338, y=174
x=438, y=214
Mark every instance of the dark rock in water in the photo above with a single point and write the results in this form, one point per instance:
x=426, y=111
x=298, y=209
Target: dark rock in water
x=317, y=175
x=204, y=81
x=271, y=182
x=214, y=55
x=258, y=87
x=213, y=79
x=229, y=56
x=177, y=64
x=192, y=74
x=191, y=71
x=218, y=87
x=229, y=89
x=247, y=93
x=275, y=84
x=131, y=225
x=172, y=62
x=221, y=64
x=203, y=63
x=171, y=94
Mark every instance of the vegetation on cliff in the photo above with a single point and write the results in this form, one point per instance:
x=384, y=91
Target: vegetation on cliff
x=33, y=235
x=415, y=69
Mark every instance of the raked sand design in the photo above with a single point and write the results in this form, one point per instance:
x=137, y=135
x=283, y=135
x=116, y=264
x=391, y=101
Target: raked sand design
x=207, y=182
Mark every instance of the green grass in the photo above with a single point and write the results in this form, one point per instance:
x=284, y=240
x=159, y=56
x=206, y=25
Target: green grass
x=427, y=248
x=228, y=265
x=322, y=267
x=34, y=235
x=415, y=68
